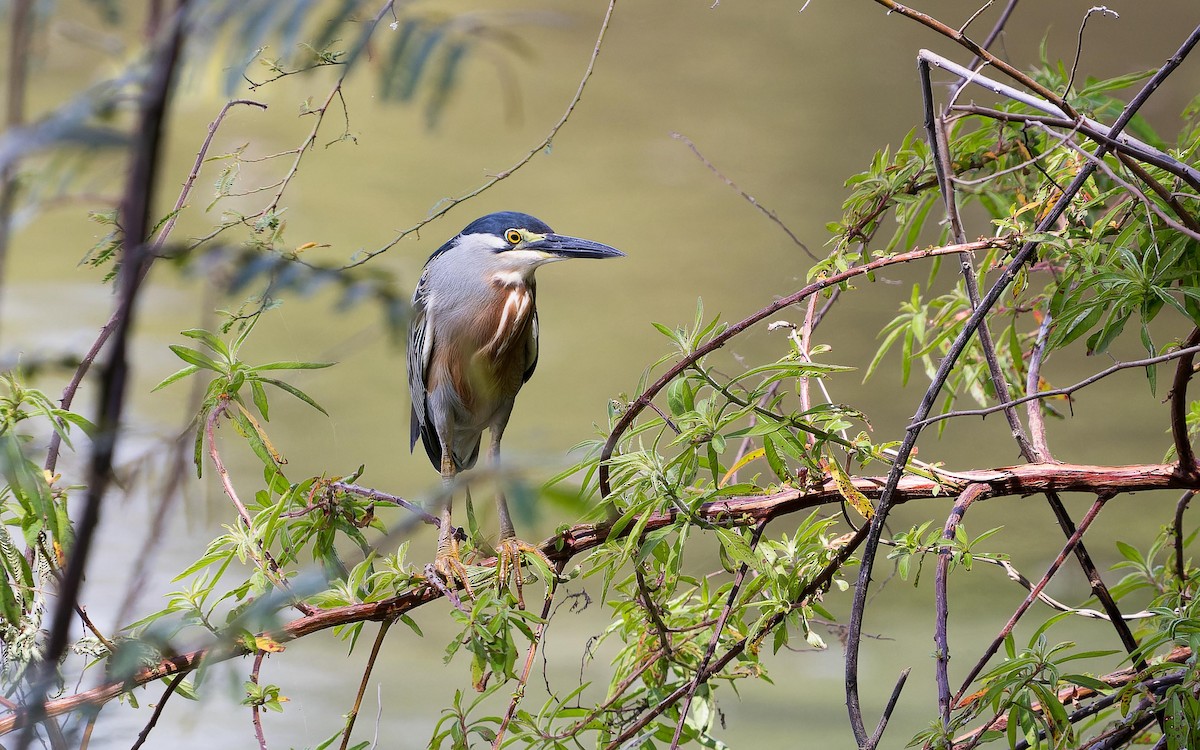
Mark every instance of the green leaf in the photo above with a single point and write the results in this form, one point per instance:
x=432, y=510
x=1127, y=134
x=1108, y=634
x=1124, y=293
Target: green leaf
x=260, y=398
x=193, y=357
x=177, y=375
x=209, y=340
x=292, y=365
x=295, y=392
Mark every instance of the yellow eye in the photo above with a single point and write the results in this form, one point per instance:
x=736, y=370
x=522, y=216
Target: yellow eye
x=513, y=236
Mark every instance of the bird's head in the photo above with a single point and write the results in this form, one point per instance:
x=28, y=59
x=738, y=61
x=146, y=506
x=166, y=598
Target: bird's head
x=522, y=241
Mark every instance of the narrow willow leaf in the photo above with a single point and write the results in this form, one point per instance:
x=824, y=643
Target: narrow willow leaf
x=750, y=456
x=296, y=392
x=193, y=357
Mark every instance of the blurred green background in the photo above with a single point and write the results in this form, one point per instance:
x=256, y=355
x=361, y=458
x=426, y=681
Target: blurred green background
x=788, y=99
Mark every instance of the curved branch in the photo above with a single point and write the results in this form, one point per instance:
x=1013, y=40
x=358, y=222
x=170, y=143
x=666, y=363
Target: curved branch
x=1023, y=257
x=720, y=340
x=1179, y=407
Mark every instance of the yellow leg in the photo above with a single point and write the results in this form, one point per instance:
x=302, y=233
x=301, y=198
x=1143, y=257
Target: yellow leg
x=510, y=549
x=448, y=563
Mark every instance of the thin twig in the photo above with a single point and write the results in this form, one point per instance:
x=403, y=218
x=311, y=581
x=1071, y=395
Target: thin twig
x=215, y=455
x=254, y=708
x=421, y=513
x=1102, y=10
x=941, y=638
x=749, y=198
x=366, y=678
x=445, y=205
x=1177, y=535
x=1065, y=391
x=888, y=709
x=664, y=637
x=992, y=36
x=158, y=709
x=981, y=53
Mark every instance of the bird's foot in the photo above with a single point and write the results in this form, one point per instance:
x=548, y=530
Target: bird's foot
x=448, y=570
x=508, y=564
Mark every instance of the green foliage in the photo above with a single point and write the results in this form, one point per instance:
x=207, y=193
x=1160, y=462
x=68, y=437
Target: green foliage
x=229, y=376
x=1115, y=258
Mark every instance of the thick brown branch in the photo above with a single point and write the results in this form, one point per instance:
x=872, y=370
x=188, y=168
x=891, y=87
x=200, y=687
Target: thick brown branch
x=745, y=510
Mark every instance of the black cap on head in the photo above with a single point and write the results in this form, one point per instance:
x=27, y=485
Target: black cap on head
x=501, y=220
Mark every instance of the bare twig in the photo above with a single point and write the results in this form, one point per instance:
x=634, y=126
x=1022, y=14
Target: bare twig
x=992, y=36
x=749, y=198
x=1102, y=10
x=158, y=709
x=979, y=52
x=445, y=205
x=1067, y=390
x=366, y=679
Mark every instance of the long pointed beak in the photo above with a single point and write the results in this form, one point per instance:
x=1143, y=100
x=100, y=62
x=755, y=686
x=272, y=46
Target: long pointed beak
x=574, y=247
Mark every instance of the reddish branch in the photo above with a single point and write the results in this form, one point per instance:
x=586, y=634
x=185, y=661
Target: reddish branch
x=745, y=510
